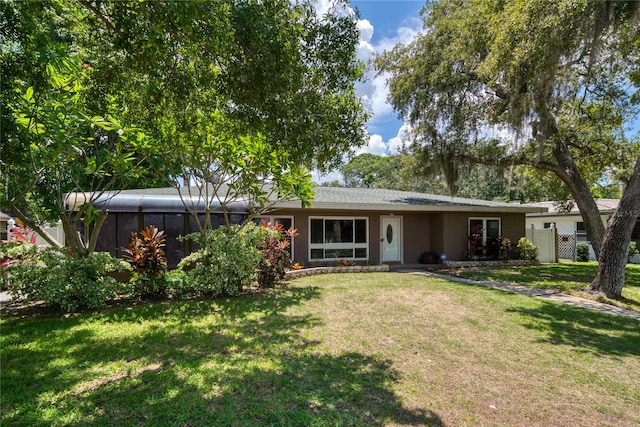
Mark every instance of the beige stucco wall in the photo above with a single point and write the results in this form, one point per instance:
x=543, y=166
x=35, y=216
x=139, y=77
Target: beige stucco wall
x=421, y=232
x=456, y=227
x=301, y=223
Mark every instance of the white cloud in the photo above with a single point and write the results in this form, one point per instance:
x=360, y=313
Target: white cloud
x=374, y=90
x=400, y=140
x=366, y=30
x=319, y=178
x=375, y=146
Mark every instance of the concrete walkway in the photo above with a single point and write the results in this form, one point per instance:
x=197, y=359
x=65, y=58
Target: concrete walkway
x=547, y=294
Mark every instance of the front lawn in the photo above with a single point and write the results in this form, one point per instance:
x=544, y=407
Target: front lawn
x=567, y=276
x=342, y=349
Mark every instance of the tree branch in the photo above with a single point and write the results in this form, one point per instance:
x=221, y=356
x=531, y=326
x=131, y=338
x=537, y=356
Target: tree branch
x=98, y=13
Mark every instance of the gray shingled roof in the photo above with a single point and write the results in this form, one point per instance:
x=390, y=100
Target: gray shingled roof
x=382, y=199
x=604, y=206
x=325, y=198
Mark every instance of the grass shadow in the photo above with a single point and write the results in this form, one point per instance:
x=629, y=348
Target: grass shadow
x=234, y=361
x=586, y=330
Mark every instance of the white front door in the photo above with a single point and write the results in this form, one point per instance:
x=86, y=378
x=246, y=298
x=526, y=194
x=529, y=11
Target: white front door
x=390, y=237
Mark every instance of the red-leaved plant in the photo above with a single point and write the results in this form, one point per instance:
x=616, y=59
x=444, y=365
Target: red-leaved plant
x=146, y=255
x=474, y=242
x=19, y=246
x=275, y=253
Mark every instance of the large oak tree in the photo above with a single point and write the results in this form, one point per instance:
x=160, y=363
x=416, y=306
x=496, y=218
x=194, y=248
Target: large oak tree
x=555, y=72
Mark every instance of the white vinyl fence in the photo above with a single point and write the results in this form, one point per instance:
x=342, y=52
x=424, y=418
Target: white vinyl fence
x=57, y=232
x=547, y=241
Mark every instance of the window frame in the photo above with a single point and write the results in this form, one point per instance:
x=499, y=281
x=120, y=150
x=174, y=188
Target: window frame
x=484, y=226
x=581, y=232
x=324, y=246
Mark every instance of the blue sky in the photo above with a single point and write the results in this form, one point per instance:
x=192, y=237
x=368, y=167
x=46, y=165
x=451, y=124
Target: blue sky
x=382, y=24
x=389, y=22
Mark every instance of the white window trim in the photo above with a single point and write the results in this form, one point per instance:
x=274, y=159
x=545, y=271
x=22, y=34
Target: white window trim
x=484, y=220
x=351, y=245
x=272, y=219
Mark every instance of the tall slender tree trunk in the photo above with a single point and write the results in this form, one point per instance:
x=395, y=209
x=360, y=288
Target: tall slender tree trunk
x=581, y=193
x=613, y=258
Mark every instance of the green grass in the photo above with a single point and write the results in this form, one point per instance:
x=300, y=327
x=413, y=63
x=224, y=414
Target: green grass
x=354, y=349
x=567, y=276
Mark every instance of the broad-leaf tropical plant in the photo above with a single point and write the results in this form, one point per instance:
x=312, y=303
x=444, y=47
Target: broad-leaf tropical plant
x=71, y=151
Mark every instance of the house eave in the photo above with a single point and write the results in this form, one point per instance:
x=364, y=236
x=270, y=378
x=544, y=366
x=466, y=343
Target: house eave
x=406, y=208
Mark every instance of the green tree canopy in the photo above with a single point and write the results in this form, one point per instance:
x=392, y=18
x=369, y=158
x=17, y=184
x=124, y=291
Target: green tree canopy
x=275, y=73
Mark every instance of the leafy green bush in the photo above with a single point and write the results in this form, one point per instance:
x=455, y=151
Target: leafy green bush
x=67, y=280
x=226, y=263
x=526, y=249
x=273, y=244
x=148, y=261
x=12, y=254
x=582, y=252
x=633, y=250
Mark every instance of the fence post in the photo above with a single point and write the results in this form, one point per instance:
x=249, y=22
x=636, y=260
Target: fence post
x=554, y=232
x=60, y=233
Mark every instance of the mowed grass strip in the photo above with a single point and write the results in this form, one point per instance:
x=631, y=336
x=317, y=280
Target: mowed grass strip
x=342, y=349
x=566, y=276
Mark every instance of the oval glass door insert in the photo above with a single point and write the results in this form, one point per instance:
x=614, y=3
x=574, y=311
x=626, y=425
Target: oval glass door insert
x=389, y=233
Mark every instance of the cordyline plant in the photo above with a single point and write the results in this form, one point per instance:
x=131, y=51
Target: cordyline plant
x=148, y=260
x=276, y=258
x=475, y=241
x=145, y=253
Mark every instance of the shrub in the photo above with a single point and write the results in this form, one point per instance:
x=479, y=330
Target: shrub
x=273, y=244
x=499, y=248
x=15, y=253
x=506, y=248
x=18, y=248
x=67, y=280
x=633, y=250
x=582, y=252
x=225, y=264
x=148, y=261
x=474, y=242
x=428, y=257
x=175, y=282
x=526, y=249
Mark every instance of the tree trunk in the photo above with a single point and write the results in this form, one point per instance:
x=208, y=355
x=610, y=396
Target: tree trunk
x=613, y=258
x=581, y=193
x=568, y=172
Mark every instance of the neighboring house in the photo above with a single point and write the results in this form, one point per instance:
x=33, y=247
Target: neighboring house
x=56, y=232
x=361, y=224
x=4, y=232
x=566, y=218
